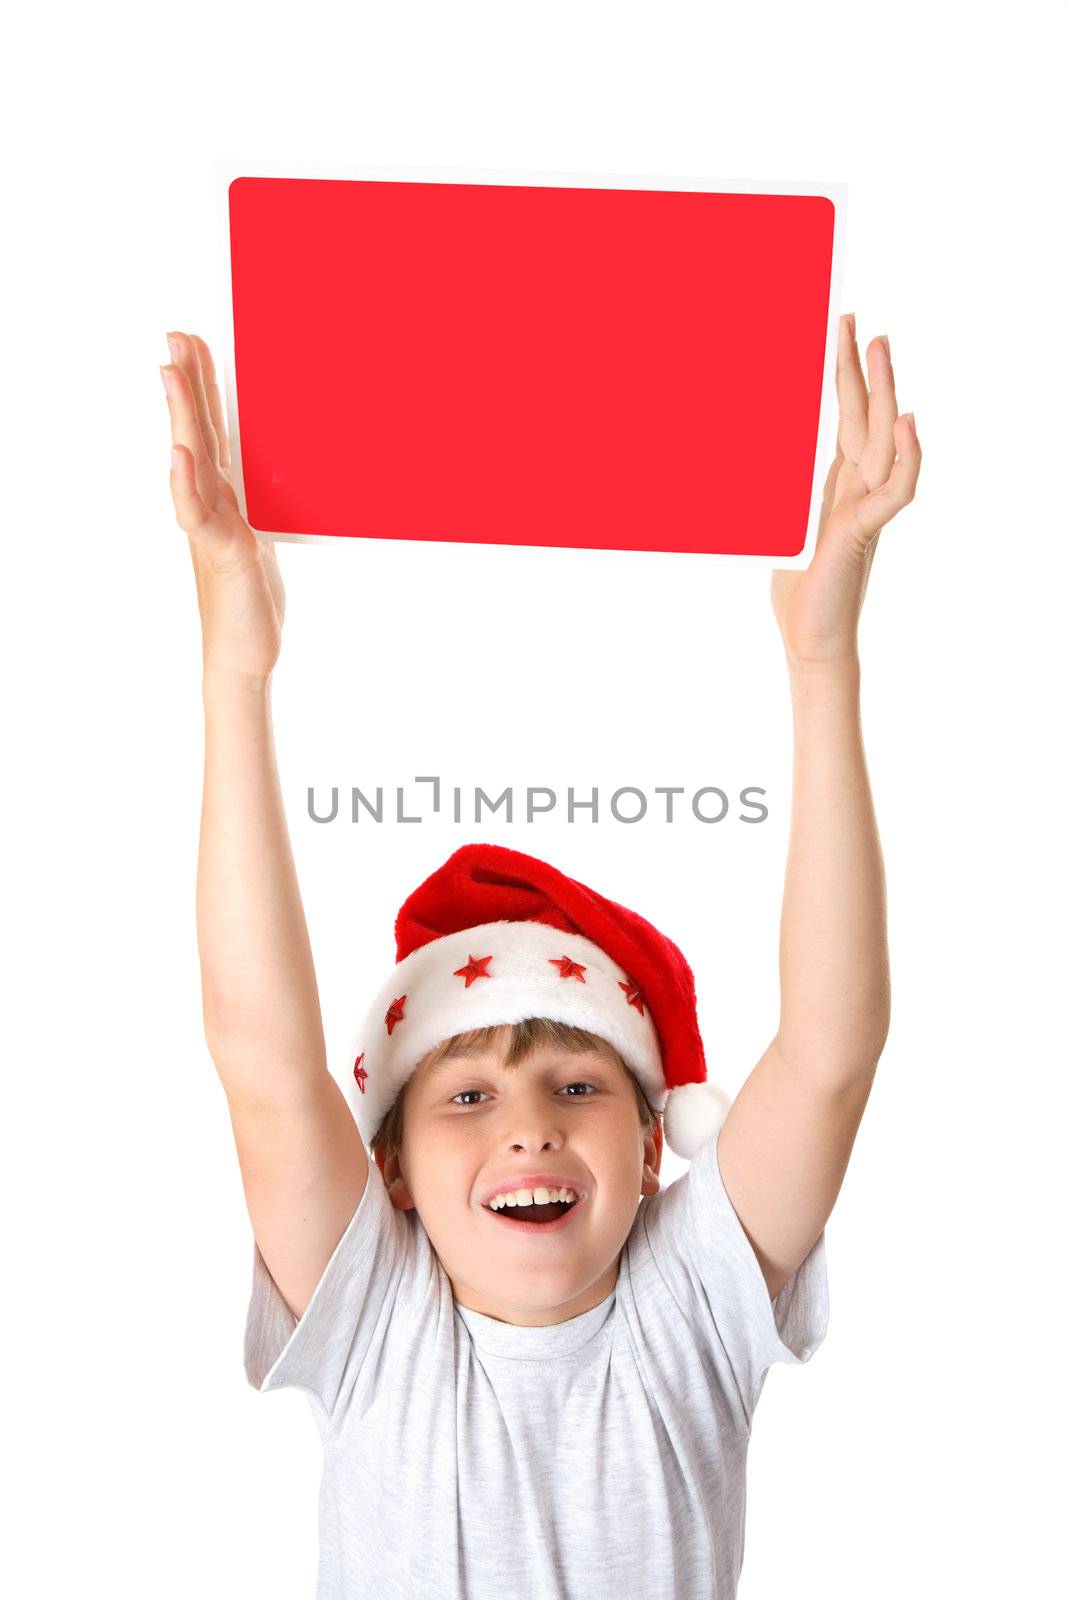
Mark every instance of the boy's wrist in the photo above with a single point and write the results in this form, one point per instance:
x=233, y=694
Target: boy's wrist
x=220, y=683
x=834, y=668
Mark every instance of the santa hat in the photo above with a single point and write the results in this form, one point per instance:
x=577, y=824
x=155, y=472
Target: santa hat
x=495, y=936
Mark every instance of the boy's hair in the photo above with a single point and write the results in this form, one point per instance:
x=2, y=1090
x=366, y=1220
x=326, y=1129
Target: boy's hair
x=525, y=1037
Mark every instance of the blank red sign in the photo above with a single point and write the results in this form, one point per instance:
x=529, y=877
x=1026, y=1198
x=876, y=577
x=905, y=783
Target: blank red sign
x=620, y=369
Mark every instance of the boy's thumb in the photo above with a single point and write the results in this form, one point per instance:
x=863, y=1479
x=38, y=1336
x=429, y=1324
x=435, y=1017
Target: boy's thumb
x=222, y=545
x=189, y=507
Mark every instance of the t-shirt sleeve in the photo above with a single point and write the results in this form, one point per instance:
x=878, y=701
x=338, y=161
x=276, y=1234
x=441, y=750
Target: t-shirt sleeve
x=337, y=1346
x=704, y=1256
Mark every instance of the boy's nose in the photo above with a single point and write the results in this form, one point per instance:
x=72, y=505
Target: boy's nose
x=535, y=1136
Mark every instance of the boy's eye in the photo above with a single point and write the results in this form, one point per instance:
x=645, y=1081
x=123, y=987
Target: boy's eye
x=567, y=1086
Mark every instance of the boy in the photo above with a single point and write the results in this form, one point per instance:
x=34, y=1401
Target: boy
x=553, y=1398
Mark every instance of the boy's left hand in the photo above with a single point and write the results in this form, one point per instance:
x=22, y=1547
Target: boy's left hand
x=873, y=474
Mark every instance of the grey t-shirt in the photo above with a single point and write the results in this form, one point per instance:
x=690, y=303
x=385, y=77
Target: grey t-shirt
x=466, y=1457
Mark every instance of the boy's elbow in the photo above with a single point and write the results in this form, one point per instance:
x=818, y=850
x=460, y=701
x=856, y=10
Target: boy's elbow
x=848, y=1059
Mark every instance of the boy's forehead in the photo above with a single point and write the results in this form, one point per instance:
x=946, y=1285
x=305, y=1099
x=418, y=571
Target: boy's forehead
x=497, y=1051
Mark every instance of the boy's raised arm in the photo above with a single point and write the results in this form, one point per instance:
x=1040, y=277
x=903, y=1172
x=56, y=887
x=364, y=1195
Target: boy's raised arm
x=261, y=1005
x=834, y=959
x=262, y=1017
x=303, y=1163
x=786, y=1142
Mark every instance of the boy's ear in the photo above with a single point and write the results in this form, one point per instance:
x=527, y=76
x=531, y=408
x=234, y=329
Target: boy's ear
x=653, y=1155
x=399, y=1193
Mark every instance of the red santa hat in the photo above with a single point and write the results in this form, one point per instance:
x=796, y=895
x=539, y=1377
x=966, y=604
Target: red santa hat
x=496, y=936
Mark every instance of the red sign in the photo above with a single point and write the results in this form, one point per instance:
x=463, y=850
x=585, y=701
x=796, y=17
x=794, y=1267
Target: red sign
x=610, y=368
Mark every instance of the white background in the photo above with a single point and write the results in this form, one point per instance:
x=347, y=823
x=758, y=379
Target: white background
x=919, y=1452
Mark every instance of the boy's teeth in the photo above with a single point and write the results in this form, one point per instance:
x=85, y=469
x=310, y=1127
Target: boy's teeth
x=531, y=1197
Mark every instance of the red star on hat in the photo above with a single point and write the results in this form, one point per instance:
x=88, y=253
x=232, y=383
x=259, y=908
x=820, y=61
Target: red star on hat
x=359, y=1073
x=569, y=968
x=475, y=968
x=395, y=1014
x=634, y=997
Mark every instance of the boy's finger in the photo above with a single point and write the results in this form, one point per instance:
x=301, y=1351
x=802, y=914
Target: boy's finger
x=187, y=362
x=881, y=414
x=214, y=399
x=184, y=351
x=876, y=508
x=851, y=393
x=184, y=424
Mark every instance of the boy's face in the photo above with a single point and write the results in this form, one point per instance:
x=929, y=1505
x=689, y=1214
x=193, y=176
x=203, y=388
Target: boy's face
x=472, y=1125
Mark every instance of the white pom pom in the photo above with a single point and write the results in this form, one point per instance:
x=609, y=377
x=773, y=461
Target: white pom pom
x=694, y=1113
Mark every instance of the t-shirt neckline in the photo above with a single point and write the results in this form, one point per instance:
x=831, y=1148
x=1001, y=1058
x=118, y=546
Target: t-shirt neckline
x=493, y=1337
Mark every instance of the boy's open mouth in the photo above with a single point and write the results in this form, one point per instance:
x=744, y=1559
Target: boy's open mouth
x=546, y=1218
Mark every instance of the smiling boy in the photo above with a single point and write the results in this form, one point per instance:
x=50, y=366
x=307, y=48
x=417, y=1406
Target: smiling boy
x=473, y=1199
x=557, y=1406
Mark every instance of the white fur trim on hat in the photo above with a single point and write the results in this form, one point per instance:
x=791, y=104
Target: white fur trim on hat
x=520, y=981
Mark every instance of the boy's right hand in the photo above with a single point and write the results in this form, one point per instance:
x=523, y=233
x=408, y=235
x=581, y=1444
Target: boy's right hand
x=239, y=587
